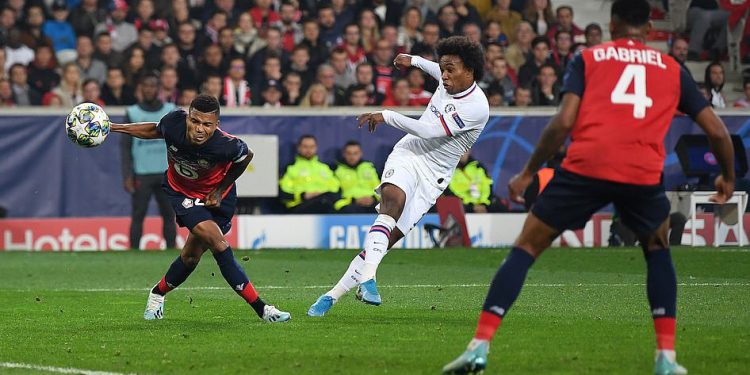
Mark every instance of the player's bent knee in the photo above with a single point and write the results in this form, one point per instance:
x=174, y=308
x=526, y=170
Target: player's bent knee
x=210, y=234
x=392, y=201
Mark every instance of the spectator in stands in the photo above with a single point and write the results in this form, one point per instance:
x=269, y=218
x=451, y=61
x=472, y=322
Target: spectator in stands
x=357, y=95
x=170, y=57
x=448, y=19
x=466, y=13
x=352, y=44
x=744, y=102
x=271, y=71
x=326, y=76
x=545, y=91
x=216, y=22
x=161, y=33
x=399, y=94
x=91, y=92
x=369, y=28
x=311, y=39
x=187, y=94
x=329, y=35
x=144, y=13
x=565, y=23
x=229, y=7
x=471, y=184
x=181, y=14
x=493, y=33
x=168, y=90
x=103, y=50
x=226, y=44
x=32, y=34
x=291, y=31
x=383, y=68
x=704, y=15
x=472, y=31
x=123, y=33
x=6, y=93
x=316, y=96
x=88, y=65
x=358, y=179
x=15, y=51
x=520, y=50
x=264, y=15
x=69, y=89
x=430, y=38
x=3, y=60
x=212, y=62
x=593, y=34
x=539, y=15
x=271, y=94
x=292, y=93
x=212, y=86
x=344, y=74
x=494, y=96
x=273, y=47
x=188, y=44
x=409, y=32
x=86, y=16
x=562, y=53
x=679, y=51
x=496, y=79
x=344, y=13
x=42, y=71
x=521, y=97
x=246, y=38
x=236, y=89
x=507, y=19
x=144, y=163
x=418, y=95
x=300, y=63
x=714, y=81
x=308, y=186
x=60, y=32
x=540, y=56
x=115, y=91
x=146, y=42
x=492, y=51
x=23, y=93
x=425, y=7
x=135, y=64
x=364, y=74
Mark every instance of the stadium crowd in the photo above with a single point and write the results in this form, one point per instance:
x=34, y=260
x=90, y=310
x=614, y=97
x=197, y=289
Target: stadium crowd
x=303, y=53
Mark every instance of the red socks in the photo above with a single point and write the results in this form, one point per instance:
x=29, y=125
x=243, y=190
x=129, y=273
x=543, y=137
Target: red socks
x=487, y=326
x=665, y=331
x=249, y=293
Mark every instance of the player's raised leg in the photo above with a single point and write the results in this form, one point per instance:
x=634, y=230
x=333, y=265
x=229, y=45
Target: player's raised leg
x=535, y=237
x=233, y=273
x=382, y=236
x=661, y=288
x=177, y=273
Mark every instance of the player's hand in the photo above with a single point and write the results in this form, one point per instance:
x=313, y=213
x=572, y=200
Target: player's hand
x=402, y=61
x=518, y=185
x=310, y=195
x=371, y=119
x=129, y=184
x=724, y=190
x=365, y=201
x=213, y=199
x=479, y=208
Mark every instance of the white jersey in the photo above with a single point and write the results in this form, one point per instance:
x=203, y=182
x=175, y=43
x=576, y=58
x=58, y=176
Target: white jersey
x=446, y=130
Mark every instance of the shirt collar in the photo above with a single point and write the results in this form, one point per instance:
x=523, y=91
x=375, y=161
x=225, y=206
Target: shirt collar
x=466, y=92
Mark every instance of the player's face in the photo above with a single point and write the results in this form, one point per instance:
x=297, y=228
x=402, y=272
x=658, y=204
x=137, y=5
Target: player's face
x=352, y=155
x=201, y=126
x=456, y=77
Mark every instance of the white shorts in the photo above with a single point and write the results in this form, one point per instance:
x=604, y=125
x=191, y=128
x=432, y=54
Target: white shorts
x=411, y=176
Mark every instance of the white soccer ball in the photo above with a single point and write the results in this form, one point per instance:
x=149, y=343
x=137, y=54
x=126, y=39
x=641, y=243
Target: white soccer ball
x=87, y=125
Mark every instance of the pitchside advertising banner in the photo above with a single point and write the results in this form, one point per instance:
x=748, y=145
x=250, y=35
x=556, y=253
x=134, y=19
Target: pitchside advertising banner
x=307, y=232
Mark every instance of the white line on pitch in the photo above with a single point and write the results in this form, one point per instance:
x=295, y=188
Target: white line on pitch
x=408, y=286
x=59, y=370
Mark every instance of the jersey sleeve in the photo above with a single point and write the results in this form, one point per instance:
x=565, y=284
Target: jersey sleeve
x=573, y=80
x=692, y=101
x=430, y=67
x=463, y=119
x=237, y=150
x=168, y=125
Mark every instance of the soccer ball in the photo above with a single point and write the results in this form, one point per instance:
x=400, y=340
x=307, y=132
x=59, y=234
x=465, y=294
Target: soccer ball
x=87, y=125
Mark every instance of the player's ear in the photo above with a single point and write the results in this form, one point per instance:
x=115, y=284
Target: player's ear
x=648, y=27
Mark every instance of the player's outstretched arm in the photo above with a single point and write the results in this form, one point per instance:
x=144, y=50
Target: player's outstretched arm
x=403, y=61
x=414, y=127
x=143, y=130
x=722, y=148
x=552, y=138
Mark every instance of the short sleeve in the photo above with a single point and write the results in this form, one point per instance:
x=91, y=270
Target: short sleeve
x=168, y=124
x=237, y=150
x=692, y=101
x=573, y=80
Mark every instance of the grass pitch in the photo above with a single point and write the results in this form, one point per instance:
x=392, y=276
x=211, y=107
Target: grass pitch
x=581, y=312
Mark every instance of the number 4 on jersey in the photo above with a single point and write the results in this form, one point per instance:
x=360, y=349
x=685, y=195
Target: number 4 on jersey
x=638, y=99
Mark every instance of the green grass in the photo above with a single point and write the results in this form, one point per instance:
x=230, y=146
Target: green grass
x=582, y=312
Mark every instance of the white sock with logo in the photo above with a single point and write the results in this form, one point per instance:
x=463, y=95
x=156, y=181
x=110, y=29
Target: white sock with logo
x=350, y=279
x=376, y=245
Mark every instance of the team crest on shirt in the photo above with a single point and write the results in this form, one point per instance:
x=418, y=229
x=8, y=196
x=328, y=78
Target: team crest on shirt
x=450, y=108
x=388, y=173
x=203, y=163
x=187, y=203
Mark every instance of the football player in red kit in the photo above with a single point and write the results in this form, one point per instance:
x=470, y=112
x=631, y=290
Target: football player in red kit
x=618, y=102
x=204, y=162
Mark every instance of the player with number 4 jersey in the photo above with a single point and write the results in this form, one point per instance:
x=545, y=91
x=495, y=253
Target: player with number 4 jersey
x=618, y=102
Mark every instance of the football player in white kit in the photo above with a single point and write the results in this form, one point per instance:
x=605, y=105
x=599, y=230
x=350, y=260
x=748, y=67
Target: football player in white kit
x=422, y=162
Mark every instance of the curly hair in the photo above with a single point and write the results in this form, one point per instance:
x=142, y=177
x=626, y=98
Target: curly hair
x=205, y=104
x=471, y=54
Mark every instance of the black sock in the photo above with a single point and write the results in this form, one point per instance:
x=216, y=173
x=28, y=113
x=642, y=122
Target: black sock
x=508, y=281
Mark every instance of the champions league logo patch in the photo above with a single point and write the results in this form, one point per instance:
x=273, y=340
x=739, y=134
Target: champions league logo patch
x=388, y=173
x=450, y=108
x=458, y=120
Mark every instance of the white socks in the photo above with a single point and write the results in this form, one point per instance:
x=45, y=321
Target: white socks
x=364, y=266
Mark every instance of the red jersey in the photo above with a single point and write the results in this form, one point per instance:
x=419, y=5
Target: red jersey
x=196, y=170
x=629, y=94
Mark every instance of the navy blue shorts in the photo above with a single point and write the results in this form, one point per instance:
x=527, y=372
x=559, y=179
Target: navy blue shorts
x=570, y=199
x=189, y=215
